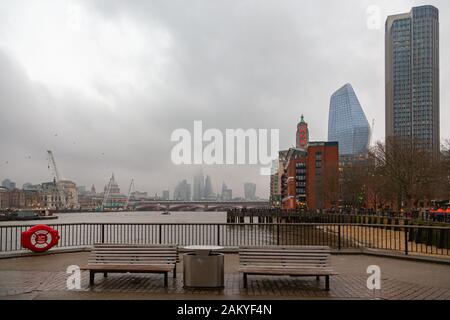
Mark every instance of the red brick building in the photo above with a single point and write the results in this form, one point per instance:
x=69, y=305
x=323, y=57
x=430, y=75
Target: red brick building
x=323, y=175
x=311, y=178
x=293, y=188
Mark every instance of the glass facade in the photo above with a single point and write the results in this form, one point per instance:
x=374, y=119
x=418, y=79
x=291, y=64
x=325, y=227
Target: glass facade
x=250, y=191
x=412, y=77
x=402, y=79
x=347, y=123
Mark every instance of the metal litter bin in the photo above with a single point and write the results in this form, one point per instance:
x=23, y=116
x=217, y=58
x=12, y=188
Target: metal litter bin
x=203, y=268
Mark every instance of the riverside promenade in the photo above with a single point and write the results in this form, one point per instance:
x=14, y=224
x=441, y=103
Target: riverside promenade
x=44, y=277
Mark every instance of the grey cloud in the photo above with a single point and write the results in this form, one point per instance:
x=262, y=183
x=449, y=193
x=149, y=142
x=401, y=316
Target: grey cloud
x=232, y=64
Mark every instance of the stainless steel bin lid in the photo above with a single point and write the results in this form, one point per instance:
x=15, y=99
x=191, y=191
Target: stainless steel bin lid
x=202, y=250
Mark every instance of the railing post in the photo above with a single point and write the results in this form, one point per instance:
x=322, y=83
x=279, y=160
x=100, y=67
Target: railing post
x=278, y=234
x=339, y=237
x=160, y=234
x=103, y=233
x=218, y=234
x=406, y=241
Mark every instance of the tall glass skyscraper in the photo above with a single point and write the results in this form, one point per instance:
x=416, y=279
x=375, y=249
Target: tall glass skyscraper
x=347, y=123
x=250, y=191
x=208, y=192
x=412, y=77
x=182, y=191
x=198, y=186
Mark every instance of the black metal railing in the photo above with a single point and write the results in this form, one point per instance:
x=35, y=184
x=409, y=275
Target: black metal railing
x=408, y=239
x=328, y=216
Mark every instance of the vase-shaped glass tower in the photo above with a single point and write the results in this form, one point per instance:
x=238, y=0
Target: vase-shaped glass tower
x=347, y=123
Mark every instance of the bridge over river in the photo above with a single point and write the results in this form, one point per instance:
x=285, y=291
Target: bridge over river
x=174, y=205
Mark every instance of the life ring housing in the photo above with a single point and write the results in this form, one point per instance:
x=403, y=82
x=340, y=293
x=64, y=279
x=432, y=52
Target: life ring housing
x=39, y=238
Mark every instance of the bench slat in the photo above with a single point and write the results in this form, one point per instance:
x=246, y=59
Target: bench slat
x=275, y=267
x=281, y=248
x=284, y=257
x=127, y=267
x=116, y=245
x=287, y=252
x=134, y=254
x=302, y=272
x=284, y=262
x=272, y=267
x=166, y=250
x=131, y=261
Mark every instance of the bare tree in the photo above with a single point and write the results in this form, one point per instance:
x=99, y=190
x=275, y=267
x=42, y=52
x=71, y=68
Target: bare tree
x=378, y=188
x=411, y=175
x=354, y=177
x=444, y=187
x=331, y=185
x=399, y=173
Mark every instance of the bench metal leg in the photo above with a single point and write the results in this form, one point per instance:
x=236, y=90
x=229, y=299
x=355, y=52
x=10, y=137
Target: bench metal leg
x=166, y=283
x=327, y=283
x=105, y=274
x=91, y=278
x=175, y=271
x=245, y=280
x=317, y=278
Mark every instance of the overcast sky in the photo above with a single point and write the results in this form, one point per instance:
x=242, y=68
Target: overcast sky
x=104, y=83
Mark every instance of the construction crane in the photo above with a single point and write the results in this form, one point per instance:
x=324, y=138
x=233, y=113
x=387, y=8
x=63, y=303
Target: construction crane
x=56, y=177
x=129, y=193
x=107, y=192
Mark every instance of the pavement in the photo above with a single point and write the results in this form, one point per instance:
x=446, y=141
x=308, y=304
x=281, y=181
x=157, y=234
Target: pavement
x=45, y=277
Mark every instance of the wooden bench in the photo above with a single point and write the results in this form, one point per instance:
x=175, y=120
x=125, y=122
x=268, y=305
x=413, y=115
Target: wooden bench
x=286, y=260
x=132, y=258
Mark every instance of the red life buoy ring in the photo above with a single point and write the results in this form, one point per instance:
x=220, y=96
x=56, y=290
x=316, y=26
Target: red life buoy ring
x=39, y=238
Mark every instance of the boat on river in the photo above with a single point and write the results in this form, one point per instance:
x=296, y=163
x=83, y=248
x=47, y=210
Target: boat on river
x=26, y=214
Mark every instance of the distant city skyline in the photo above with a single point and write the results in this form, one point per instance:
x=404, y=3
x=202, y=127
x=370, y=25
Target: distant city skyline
x=182, y=186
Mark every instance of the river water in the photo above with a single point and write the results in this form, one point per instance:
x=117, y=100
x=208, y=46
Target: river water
x=129, y=217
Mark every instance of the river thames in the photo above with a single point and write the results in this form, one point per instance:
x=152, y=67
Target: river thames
x=129, y=217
